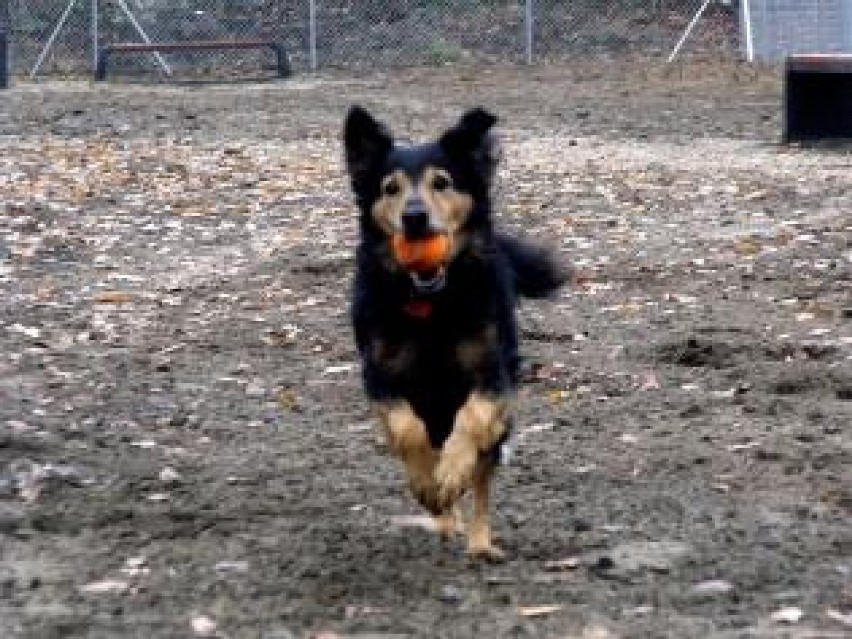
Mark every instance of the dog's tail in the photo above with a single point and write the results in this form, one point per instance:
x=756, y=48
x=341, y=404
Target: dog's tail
x=536, y=271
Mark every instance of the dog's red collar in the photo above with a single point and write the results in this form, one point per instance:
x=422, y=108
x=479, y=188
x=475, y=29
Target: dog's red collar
x=420, y=309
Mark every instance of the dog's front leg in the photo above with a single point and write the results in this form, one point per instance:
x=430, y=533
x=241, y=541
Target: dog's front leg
x=464, y=462
x=409, y=441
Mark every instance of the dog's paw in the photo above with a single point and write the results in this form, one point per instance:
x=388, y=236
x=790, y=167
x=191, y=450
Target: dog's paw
x=455, y=469
x=488, y=552
x=448, y=524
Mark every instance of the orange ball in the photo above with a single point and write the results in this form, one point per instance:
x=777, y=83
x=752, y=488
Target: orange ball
x=421, y=254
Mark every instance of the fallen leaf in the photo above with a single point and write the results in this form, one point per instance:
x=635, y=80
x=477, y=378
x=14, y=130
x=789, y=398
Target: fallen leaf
x=287, y=399
x=539, y=611
x=113, y=297
x=170, y=476
x=556, y=395
x=568, y=563
x=350, y=612
x=28, y=331
x=840, y=617
x=144, y=443
x=788, y=614
x=231, y=566
x=334, y=370
x=748, y=246
x=648, y=381
x=108, y=586
x=712, y=587
x=724, y=394
x=584, y=469
x=203, y=626
x=656, y=556
x=18, y=426
x=746, y=446
x=135, y=566
x=597, y=632
x=413, y=521
x=535, y=428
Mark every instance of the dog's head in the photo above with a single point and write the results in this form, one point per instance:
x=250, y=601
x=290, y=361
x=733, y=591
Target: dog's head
x=420, y=191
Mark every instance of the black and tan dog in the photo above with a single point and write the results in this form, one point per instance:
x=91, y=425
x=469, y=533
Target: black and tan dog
x=439, y=346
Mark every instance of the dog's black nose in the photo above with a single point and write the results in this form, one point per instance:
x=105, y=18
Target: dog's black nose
x=415, y=221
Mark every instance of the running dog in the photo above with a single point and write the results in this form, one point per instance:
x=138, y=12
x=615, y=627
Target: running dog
x=438, y=337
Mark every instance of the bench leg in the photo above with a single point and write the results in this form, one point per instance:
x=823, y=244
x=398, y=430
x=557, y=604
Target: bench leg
x=101, y=66
x=282, y=61
x=4, y=61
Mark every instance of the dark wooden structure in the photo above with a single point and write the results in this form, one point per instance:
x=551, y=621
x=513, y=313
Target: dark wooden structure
x=818, y=97
x=4, y=61
x=282, y=63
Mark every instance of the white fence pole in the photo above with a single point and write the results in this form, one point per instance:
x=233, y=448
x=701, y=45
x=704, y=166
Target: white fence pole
x=53, y=35
x=528, y=31
x=312, y=32
x=688, y=30
x=749, y=34
x=95, y=36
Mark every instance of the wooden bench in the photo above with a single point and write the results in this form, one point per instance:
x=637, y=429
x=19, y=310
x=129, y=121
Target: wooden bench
x=282, y=63
x=818, y=97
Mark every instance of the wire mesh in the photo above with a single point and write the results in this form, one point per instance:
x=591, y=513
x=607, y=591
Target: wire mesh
x=370, y=34
x=617, y=27
x=436, y=32
x=76, y=24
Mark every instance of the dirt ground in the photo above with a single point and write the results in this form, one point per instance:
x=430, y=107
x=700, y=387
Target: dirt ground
x=184, y=446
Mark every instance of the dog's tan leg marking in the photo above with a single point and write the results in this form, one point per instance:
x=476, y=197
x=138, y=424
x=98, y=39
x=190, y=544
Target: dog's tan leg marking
x=479, y=542
x=409, y=441
x=480, y=423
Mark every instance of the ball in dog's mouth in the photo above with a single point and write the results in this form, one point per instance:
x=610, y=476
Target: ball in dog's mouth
x=424, y=259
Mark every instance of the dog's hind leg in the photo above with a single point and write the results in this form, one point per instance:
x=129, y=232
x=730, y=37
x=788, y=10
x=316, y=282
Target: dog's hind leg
x=479, y=543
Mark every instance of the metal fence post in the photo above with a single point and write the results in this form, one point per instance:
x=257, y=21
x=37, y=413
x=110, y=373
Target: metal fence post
x=749, y=34
x=528, y=31
x=312, y=33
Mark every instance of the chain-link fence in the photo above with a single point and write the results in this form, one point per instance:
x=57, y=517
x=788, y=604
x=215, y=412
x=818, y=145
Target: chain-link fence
x=58, y=36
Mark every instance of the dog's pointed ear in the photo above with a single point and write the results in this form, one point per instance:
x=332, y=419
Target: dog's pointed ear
x=470, y=131
x=366, y=141
x=471, y=137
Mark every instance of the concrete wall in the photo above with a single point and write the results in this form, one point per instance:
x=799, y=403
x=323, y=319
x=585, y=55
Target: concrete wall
x=782, y=27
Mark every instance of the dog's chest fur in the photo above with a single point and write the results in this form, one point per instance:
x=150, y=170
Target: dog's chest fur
x=436, y=360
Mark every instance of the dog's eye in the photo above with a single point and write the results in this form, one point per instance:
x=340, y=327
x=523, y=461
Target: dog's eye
x=441, y=183
x=391, y=188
